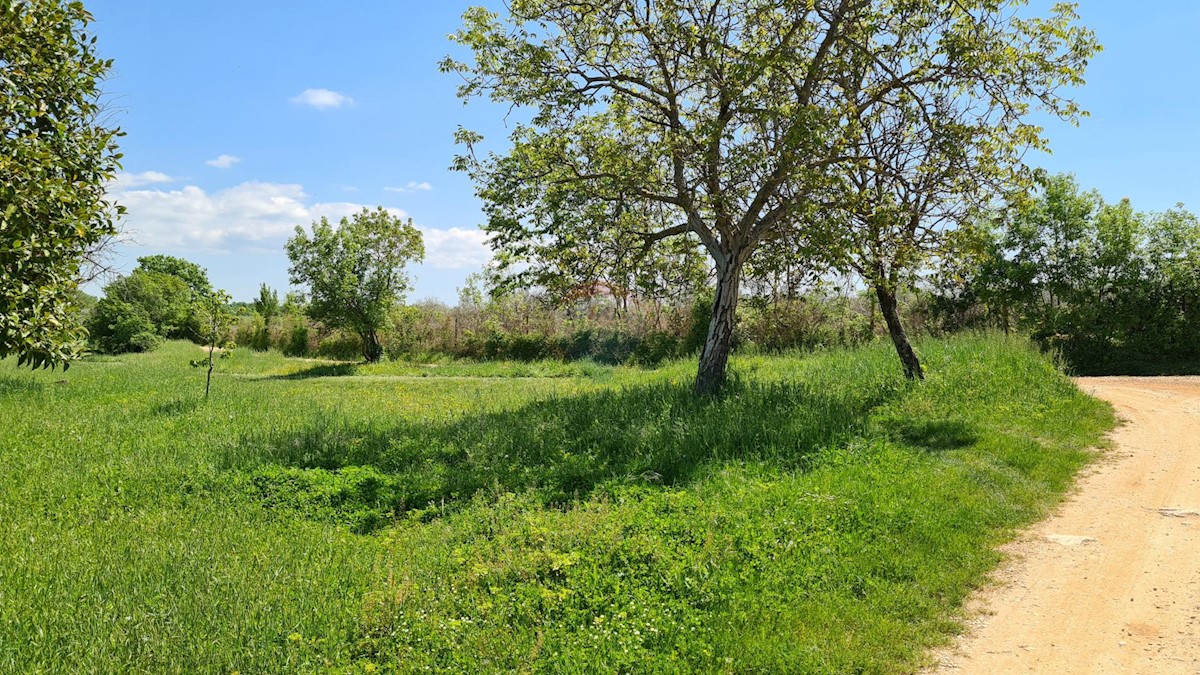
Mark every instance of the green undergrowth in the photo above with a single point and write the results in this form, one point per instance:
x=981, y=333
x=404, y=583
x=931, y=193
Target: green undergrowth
x=822, y=516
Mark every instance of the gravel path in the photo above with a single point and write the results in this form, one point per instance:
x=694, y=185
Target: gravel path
x=1111, y=582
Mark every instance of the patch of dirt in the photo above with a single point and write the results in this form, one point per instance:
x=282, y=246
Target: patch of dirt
x=1111, y=582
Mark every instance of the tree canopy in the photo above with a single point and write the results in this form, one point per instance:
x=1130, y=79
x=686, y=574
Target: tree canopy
x=356, y=272
x=935, y=154
x=723, y=121
x=195, y=276
x=139, y=310
x=57, y=154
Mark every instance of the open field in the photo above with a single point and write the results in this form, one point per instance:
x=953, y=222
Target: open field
x=823, y=516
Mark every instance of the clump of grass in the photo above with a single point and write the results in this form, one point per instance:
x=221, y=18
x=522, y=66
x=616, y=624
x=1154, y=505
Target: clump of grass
x=823, y=516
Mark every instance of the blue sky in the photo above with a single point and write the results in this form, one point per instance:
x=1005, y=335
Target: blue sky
x=244, y=119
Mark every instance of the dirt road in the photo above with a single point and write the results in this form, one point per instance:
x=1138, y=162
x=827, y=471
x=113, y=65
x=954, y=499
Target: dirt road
x=1111, y=582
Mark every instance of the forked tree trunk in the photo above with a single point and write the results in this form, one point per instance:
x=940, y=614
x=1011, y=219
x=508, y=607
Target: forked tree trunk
x=372, y=349
x=889, y=308
x=714, y=356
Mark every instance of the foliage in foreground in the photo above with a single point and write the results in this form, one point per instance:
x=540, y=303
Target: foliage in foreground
x=57, y=154
x=824, y=516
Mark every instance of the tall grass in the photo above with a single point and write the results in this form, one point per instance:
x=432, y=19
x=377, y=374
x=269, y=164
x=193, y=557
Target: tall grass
x=823, y=516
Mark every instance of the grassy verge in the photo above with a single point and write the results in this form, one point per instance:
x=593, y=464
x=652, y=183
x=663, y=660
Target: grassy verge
x=824, y=516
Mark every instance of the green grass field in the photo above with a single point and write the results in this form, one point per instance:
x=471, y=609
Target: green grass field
x=824, y=516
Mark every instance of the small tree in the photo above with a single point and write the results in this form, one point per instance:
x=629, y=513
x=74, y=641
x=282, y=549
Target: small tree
x=57, y=154
x=214, y=320
x=356, y=272
x=939, y=151
x=267, y=306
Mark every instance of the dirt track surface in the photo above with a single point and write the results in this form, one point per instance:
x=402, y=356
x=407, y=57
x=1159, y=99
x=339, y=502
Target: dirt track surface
x=1111, y=582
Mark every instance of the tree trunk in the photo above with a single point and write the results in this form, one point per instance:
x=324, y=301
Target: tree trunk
x=889, y=308
x=714, y=356
x=208, y=380
x=372, y=350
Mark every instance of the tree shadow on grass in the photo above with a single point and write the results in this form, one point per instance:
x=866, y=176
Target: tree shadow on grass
x=932, y=435
x=564, y=448
x=15, y=386
x=323, y=370
x=176, y=406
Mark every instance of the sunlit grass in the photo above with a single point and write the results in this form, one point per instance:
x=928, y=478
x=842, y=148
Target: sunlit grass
x=823, y=516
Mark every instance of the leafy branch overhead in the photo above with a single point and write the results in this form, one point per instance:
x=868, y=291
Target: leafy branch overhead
x=57, y=155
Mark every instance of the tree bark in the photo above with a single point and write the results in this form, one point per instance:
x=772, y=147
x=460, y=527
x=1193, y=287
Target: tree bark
x=372, y=350
x=889, y=308
x=714, y=356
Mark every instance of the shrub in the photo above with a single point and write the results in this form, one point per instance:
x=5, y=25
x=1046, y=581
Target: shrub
x=810, y=322
x=613, y=347
x=530, y=347
x=577, y=345
x=252, y=332
x=654, y=348
x=297, y=340
x=341, y=346
x=262, y=339
x=117, y=327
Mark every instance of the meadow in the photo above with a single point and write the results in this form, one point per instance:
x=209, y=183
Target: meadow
x=822, y=516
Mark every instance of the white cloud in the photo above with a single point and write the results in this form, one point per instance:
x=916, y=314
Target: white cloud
x=413, y=186
x=224, y=161
x=322, y=99
x=131, y=180
x=455, y=248
x=258, y=216
x=191, y=217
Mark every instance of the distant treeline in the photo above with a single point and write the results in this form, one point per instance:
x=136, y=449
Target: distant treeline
x=527, y=327
x=1111, y=289
x=1115, y=291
